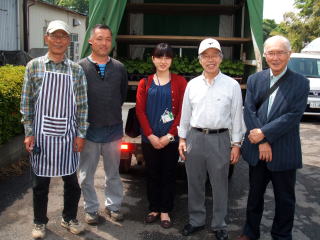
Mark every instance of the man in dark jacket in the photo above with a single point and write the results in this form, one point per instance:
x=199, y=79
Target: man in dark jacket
x=272, y=144
x=107, y=90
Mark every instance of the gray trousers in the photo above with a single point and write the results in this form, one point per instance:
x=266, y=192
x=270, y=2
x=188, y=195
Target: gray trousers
x=207, y=153
x=89, y=159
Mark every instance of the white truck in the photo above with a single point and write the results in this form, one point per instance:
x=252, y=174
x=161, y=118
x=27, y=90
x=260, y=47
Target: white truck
x=130, y=147
x=308, y=64
x=131, y=152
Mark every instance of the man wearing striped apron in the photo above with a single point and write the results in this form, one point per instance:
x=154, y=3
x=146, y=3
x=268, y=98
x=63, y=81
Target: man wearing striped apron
x=54, y=114
x=211, y=129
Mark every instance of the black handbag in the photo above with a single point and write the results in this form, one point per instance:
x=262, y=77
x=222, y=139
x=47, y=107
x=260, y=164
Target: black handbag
x=132, y=128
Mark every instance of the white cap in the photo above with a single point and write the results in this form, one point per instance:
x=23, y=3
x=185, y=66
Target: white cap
x=58, y=25
x=208, y=43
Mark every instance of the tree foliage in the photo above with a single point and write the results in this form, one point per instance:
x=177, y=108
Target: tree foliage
x=269, y=25
x=300, y=28
x=305, y=7
x=81, y=6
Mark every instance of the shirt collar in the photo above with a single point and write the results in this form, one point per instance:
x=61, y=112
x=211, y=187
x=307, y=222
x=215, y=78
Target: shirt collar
x=91, y=60
x=48, y=60
x=214, y=79
x=280, y=75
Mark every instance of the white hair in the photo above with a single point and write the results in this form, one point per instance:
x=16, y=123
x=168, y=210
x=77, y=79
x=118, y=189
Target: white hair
x=283, y=39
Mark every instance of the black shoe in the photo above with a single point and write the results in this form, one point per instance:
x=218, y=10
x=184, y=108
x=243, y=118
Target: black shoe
x=166, y=224
x=150, y=218
x=189, y=229
x=221, y=234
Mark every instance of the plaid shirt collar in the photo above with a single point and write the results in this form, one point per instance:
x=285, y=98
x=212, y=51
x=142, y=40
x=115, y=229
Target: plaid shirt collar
x=48, y=60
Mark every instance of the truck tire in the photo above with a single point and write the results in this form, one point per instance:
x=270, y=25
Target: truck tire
x=140, y=159
x=139, y=155
x=125, y=164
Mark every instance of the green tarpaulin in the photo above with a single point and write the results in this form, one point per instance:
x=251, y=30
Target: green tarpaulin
x=108, y=12
x=256, y=19
x=111, y=12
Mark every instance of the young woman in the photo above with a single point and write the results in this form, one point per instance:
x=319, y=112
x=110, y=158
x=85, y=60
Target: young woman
x=158, y=108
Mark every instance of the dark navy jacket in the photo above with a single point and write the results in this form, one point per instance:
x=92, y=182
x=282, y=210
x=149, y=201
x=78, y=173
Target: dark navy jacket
x=281, y=127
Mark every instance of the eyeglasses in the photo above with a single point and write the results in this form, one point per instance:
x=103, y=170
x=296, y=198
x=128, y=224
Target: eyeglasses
x=209, y=57
x=277, y=54
x=58, y=37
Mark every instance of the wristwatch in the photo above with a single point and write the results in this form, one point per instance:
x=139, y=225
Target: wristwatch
x=170, y=137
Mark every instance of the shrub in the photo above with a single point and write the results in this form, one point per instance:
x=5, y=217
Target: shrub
x=232, y=68
x=182, y=66
x=11, y=80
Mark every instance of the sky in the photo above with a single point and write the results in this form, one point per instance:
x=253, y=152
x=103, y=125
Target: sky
x=274, y=9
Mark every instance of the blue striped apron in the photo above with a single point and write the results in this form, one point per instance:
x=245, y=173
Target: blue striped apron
x=55, y=126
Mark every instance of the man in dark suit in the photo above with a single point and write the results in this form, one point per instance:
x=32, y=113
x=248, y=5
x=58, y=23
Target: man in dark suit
x=272, y=143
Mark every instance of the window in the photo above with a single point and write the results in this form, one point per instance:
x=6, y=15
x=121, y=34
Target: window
x=73, y=52
x=309, y=67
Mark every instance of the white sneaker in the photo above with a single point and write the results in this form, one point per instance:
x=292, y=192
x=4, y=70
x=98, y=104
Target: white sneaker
x=38, y=231
x=91, y=218
x=73, y=226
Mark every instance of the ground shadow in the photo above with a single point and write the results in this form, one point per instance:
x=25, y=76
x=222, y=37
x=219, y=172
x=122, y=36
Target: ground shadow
x=13, y=188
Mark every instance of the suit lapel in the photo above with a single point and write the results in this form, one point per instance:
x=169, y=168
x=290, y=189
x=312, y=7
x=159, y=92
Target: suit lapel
x=266, y=81
x=263, y=89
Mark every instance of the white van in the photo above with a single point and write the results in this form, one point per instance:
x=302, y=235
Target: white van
x=308, y=65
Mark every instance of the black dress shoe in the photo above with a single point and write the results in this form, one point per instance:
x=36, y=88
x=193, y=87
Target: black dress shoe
x=166, y=224
x=189, y=229
x=221, y=234
x=150, y=218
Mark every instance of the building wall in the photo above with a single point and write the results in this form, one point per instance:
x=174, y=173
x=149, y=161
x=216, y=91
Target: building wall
x=39, y=17
x=9, y=23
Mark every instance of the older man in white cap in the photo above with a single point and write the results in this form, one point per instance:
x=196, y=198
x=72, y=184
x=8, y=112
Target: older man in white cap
x=211, y=129
x=54, y=113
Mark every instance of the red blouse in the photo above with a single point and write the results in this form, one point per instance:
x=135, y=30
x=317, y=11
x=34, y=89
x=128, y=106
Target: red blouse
x=178, y=85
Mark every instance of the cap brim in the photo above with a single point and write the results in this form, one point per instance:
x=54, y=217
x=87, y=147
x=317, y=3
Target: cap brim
x=209, y=48
x=56, y=29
